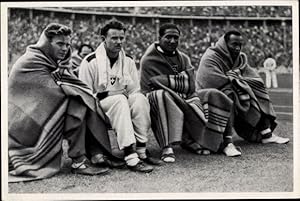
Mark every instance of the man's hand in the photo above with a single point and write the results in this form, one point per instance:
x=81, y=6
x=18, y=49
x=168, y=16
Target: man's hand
x=57, y=74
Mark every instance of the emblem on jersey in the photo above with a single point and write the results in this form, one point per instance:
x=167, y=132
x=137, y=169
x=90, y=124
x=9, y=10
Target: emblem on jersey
x=112, y=80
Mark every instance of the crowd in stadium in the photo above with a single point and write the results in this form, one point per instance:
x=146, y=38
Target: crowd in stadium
x=246, y=11
x=260, y=40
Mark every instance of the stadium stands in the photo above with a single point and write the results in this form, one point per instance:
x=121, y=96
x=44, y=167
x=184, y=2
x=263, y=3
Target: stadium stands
x=262, y=36
x=237, y=11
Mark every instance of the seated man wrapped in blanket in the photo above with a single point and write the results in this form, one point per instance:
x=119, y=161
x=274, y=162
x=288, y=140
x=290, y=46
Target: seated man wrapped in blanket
x=47, y=103
x=224, y=67
x=199, y=121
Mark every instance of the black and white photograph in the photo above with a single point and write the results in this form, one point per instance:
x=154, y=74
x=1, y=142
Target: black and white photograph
x=113, y=100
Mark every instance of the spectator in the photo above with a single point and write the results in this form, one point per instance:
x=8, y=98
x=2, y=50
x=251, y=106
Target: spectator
x=269, y=69
x=77, y=56
x=274, y=36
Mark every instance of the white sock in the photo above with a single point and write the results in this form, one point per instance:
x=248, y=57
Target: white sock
x=132, y=159
x=266, y=131
x=141, y=151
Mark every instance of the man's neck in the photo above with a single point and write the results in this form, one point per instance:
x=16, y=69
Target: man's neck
x=112, y=61
x=112, y=55
x=234, y=57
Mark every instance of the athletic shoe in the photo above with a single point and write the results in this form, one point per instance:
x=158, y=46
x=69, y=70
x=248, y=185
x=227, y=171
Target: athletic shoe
x=86, y=168
x=168, y=158
x=231, y=151
x=195, y=148
x=151, y=160
x=100, y=160
x=141, y=167
x=112, y=163
x=275, y=139
x=168, y=155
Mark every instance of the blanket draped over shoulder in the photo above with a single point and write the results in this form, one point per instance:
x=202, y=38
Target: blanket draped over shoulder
x=39, y=91
x=176, y=108
x=239, y=81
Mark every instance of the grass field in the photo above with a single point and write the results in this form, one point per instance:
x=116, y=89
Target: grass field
x=261, y=168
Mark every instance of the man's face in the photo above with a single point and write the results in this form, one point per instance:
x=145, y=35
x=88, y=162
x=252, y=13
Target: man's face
x=169, y=41
x=114, y=40
x=60, y=45
x=234, y=45
x=85, y=51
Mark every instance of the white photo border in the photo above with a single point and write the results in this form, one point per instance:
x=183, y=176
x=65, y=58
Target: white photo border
x=128, y=196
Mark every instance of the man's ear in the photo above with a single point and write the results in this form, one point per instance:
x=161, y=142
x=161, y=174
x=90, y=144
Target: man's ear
x=102, y=38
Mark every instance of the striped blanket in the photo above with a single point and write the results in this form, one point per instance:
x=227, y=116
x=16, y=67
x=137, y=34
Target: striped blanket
x=38, y=97
x=240, y=82
x=75, y=61
x=176, y=108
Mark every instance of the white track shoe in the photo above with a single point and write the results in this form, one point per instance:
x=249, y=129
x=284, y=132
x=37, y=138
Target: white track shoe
x=275, y=139
x=231, y=151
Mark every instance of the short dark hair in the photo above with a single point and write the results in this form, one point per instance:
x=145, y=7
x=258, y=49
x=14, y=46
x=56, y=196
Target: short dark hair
x=269, y=55
x=112, y=24
x=84, y=45
x=231, y=32
x=166, y=26
x=55, y=29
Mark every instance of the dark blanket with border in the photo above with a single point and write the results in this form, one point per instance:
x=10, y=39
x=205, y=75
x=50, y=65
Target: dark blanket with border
x=39, y=90
x=240, y=82
x=176, y=108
